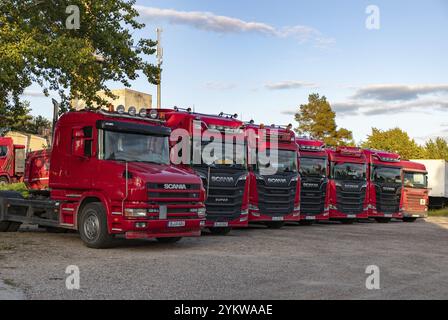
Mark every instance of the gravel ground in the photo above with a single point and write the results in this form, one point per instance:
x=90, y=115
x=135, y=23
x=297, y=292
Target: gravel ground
x=326, y=261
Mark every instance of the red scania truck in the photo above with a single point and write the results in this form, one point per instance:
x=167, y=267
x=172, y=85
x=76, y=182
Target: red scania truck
x=314, y=193
x=348, y=184
x=12, y=161
x=110, y=175
x=385, y=185
x=225, y=175
x=415, y=191
x=274, y=193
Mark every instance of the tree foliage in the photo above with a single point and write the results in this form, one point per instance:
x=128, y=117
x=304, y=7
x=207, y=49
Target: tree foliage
x=37, y=47
x=394, y=140
x=317, y=119
x=436, y=149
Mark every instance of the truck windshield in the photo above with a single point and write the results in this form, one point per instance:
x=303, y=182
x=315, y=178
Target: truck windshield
x=133, y=147
x=3, y=151
x=286, y=162
x=415, y=180
x=233, y=157
x=313, y=167
x=349, y=171
x=386, y=174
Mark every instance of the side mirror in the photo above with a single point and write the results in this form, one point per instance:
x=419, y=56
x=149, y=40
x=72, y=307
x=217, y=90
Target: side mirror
x=78, y=143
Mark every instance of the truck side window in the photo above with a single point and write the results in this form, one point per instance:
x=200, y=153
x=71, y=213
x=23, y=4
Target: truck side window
x=3, y=151
x=88, y=135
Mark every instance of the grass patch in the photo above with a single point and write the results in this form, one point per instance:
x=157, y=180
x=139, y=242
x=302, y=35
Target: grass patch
x=438, y=213
x=18, y=187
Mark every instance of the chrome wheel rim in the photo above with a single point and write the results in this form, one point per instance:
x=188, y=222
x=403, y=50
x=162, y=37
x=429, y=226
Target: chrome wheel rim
x=91, y=227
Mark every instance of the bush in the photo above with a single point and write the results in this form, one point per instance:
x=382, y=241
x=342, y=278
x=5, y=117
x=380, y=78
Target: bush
x=18, y=187
x=438, y=213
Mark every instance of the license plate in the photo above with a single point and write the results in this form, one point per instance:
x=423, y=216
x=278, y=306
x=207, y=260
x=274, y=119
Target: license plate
x=388, y=215
x=310, y=218
x=416, y=216
x=176, y=224
x=277, y=218
x=221, y=224
x=351, y=216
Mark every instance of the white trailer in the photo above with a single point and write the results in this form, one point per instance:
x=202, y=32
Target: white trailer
x=437, y=181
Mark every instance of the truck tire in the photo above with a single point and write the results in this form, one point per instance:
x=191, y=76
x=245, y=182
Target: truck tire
x=4, y=226
x=220, y=231
x=409, y=219
x=274, y=224
x=93, y=226
x=3, y=181
x=14, y=226
x=169, y=240
x=383, y=220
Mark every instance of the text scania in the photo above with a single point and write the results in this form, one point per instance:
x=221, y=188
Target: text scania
x=171, y=186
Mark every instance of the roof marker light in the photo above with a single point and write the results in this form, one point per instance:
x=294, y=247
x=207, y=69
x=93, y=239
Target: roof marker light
x=142, y=113
x=121, y=109
x=132, y=111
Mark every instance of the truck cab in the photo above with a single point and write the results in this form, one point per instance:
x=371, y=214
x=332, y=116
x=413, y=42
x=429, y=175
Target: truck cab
x=110, y=175
x=314, y=193
x=385, y=185
x=415, y=191
x=274, y=195
x=348, y=184
x=225, y=173
x=12, y=161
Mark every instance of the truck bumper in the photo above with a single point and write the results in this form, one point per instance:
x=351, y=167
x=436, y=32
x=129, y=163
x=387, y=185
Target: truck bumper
x=260, y=217
x=423, y=214
x=134, y=229
x=376, y=214
x=241, y=222
x=318, y=217
x=337, y=215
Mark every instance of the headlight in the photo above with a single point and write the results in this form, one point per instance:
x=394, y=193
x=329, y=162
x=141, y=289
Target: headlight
x=295, y=179
x=242, y=178
x=135, y=212
x=202, y=212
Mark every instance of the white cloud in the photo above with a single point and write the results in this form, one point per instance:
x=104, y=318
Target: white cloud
x=222, y=24
x=290, y=84
x=398, y=92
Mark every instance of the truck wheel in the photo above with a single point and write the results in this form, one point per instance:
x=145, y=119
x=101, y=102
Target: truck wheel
x=274, y=224
x=220, y=231
x=382, y=220
x=14, y=226
x=409, y=219
x=4, y=225
x=3, y=181
x=169, y=240
x=93, y=227
x=306, y=222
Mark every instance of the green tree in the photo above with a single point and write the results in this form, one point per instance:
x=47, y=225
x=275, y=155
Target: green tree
x=394, y=140
x=436, y=149
x=14, y=117
x=37, y=47
x=317, y=119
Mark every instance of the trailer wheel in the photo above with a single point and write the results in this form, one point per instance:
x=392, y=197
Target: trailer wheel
x=3, y=181
x=169, y=240
x=383, y=220
x=274, y=224
x=409, y=219
x=306, y=222
x=220, y=231
x=14, y=226
x=4, y=226
x=93, y=226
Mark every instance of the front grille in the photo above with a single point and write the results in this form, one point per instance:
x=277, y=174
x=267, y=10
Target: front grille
x=274, y=200
x=351, y=200
x=224, y=203
x=167, y=193
x=388, y=201
x=413, y=203
x=312, y=199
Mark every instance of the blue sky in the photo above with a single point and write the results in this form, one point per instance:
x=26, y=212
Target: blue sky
x=262, y=58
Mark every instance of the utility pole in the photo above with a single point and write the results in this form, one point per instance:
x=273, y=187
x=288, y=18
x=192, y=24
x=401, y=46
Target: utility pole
x=159, y=64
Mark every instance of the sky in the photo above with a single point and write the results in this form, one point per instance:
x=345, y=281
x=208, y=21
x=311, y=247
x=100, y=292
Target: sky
x=383, y=66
